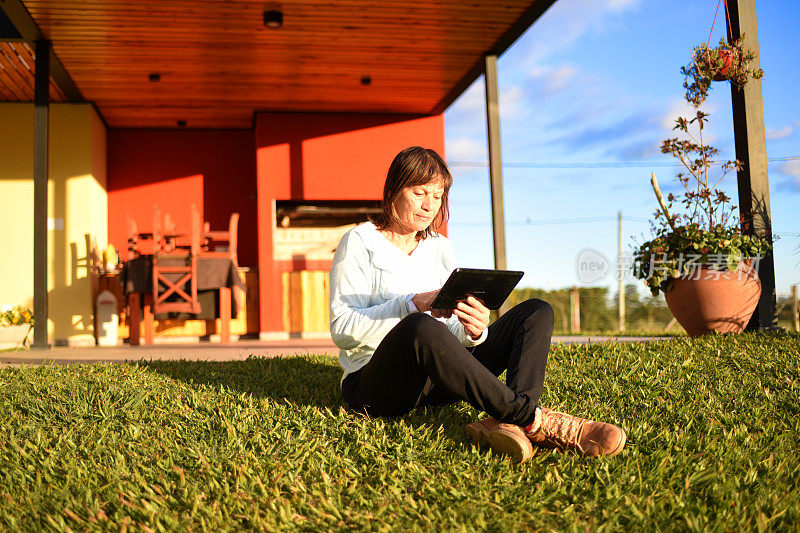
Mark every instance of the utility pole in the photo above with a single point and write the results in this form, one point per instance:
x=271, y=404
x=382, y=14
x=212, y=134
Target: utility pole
x=621, y=287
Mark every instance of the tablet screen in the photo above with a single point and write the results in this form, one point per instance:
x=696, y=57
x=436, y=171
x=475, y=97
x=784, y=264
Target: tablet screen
x=492, y=287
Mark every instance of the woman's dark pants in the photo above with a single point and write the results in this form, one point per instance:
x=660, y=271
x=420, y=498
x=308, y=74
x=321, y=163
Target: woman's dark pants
x=421, y=363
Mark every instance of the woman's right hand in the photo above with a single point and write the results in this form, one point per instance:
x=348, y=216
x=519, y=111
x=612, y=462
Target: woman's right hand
x=423, y=301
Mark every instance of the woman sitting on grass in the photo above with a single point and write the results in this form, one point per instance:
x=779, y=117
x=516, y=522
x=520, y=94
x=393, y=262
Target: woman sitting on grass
x=398, y=354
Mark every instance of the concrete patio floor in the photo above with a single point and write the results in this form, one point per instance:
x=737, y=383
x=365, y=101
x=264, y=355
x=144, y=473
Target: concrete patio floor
x=209, y=351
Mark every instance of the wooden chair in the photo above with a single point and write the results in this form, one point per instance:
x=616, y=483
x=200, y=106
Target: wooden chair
x=133, y=237
x=222, y=243
x=170, y=279
x=138, y=243
x=158, y=235
x=169, y=234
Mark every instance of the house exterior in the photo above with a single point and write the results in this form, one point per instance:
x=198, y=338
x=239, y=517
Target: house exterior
x=286, y=114
x=174, y=104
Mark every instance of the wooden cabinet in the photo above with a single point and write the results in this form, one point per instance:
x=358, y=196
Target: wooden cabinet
x=306, y=307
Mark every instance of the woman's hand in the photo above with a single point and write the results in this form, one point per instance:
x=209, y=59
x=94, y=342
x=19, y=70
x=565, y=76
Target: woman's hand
x=474, y=315
x=423, y=301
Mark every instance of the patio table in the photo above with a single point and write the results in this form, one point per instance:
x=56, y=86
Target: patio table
x=214, y=274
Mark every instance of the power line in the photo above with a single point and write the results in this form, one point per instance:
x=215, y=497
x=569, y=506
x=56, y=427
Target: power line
x=563, y=165
x=579, y=220
x=645, y=164
x=551, y=221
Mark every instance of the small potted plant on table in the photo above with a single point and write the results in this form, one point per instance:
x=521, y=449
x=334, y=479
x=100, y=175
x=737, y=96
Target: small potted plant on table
x=698, y=256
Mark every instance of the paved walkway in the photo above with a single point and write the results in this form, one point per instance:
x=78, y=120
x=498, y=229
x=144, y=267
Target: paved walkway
x=207, y=351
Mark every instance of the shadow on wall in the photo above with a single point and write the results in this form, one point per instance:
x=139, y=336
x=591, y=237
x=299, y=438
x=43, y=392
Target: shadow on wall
x=73, y=289
x=213, y=168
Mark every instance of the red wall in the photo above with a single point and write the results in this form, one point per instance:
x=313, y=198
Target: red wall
x=214, y=169
x=311, y=156
x=324, y=156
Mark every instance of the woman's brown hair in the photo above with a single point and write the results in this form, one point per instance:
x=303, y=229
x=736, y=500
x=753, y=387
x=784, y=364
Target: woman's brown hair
x=412, y=167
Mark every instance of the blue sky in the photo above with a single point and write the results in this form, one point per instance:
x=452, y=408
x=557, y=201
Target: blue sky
x=590, y=91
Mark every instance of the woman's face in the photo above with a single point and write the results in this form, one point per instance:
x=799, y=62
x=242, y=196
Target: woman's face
x=418, y=205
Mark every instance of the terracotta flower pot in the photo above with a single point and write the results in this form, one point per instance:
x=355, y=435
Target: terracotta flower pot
x=727, y=61
x=715, y=300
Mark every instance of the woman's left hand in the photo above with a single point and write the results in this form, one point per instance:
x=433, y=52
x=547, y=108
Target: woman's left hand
x=474, y=315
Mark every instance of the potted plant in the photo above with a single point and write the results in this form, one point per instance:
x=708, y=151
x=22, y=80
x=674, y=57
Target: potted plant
x=15, y=324
x=698, y=255
x=726, y=62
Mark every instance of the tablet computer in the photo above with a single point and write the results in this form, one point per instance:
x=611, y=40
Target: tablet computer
x=492, y=287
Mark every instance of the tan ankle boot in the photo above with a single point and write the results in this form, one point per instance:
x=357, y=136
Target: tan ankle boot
x=505, y=439
x=553, y=429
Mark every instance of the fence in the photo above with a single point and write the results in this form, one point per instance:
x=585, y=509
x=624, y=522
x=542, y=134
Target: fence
x=596, y=310
x=787, y=308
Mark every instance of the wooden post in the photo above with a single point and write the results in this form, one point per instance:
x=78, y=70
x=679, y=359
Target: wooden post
x=41, y=134
x=621, y=284
x=134, y=318
x=225, y=314
x=795, y=317
x=148, y=318
x=751, y=150
x=575, y=310
x=495, y=161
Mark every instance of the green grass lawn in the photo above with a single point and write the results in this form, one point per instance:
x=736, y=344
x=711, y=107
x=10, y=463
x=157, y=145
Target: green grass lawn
x=712, y=424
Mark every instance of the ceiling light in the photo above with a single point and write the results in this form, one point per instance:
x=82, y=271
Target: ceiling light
x=273, y=19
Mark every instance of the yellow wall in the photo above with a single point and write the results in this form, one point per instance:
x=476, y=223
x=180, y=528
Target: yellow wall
x=78, y=210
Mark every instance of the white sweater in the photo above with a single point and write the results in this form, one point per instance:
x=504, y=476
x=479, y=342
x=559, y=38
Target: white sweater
x=372, y=284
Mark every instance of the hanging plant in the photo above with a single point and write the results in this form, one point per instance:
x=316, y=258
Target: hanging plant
x=698, y=256
x=726, y=62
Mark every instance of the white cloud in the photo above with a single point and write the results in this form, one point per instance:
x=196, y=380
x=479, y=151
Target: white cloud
x=466, y=150
x=559, y=77
x=680, y=108
x=510, y=100
x=621, y=5
x=473, y=98
x=791, y=169
x=779, y=133
x=554, y=79
x=569, y=20
x=473, y=102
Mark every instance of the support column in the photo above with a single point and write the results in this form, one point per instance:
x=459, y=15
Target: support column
x=495, y=161
x=40, y=152
x=751, y=150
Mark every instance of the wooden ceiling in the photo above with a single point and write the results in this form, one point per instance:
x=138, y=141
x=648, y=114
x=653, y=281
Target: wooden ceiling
x=17, y=67
x=218, y=63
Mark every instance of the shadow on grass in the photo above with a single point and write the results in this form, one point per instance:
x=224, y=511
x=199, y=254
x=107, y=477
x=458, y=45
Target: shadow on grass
x=303, y=380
